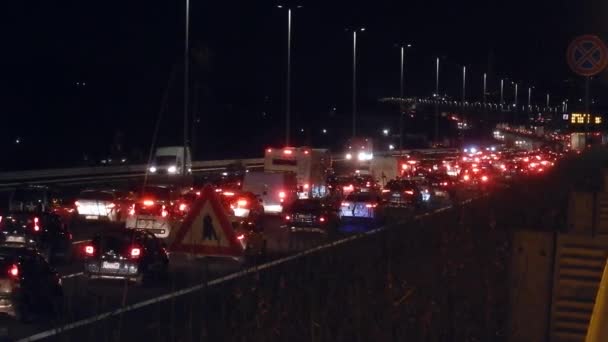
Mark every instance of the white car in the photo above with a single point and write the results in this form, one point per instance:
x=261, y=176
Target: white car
x=361, y=206
x=154, y=211
x=101, y=205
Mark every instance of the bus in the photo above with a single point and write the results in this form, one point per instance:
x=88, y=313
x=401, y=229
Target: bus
x=310, y=165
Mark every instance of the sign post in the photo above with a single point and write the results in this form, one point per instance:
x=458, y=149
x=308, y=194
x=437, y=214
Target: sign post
x=587, y=56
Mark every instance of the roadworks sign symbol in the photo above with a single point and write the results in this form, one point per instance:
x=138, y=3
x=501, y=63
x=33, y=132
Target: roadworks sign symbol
x=206, y=230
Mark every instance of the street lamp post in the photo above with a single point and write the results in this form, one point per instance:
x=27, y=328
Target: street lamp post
x=547, y=100
x=436, y=100
x=288, y=78
x=464, y=82
x=529, y=98
x=402, y=94
x=502, y=88
x=485, y=79
x=355, y=79
x=186, y=86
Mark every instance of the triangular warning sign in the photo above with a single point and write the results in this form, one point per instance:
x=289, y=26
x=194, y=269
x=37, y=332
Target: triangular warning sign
x=206, y=230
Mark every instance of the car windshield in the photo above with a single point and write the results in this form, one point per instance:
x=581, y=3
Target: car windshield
x=165, y=160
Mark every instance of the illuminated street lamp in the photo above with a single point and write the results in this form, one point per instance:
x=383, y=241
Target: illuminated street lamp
x=354, y=31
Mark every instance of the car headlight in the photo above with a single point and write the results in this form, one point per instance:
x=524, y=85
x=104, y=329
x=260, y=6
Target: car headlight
x=152, y=169
x=172, y=169
x=349, y=156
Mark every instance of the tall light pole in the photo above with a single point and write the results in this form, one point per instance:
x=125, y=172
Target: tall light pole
x=502, y=88
x=529, y=98
x=485, y=90
x=186, y=86
x=355, y=78
x=515, y=98
x=547, y=100
x=436, y=100
x=288, y=78
x=464, y=83
x=401, y=93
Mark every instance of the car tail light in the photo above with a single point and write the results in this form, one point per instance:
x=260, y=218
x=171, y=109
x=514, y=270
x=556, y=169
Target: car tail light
x=409, y=192
x=287, y=218
x=345, y=204
x=321, y=219
x=287, y=151
x=282, y=194
x=349, y=188
x=132, y=210
x=89, y=250
x=148, y=203
x=135, y=252
x=36, y=226
x=385, y=191
x=164, y=212
x=228, y=193
x=242, y=202
x=13, y=271
x=111, y=206
x=241, y=237
x=198, y=193
x=444, y=183
x=371, y=205
x=306, y=186
x=182, y=207
x=484, y=178
x=466, y=177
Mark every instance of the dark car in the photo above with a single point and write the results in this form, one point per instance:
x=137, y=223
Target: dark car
x=129, y=254
x=313, y=215
x=45, y=232
x=28, y=285
x=441, y=185
x=41, y=198
x=402, y=193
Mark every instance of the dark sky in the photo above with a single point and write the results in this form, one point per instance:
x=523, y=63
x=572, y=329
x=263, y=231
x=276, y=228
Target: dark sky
x=125, y=51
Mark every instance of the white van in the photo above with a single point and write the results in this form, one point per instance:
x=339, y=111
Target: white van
x=274, y=189
x=170, y=160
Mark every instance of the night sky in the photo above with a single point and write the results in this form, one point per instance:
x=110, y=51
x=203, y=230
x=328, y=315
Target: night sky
x=80, y=75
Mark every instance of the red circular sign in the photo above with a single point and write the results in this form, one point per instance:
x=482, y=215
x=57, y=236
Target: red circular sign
x=587, y=55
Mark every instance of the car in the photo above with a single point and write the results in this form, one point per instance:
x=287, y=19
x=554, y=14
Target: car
x=29, y=284
x=441, y=185
x=363, y=206
x=402, y=193
x=134, y=255
x=41, y=198
x=311, y=215
x=246, y=206
x=111, y=205
x=45, y=232
x=154, y=210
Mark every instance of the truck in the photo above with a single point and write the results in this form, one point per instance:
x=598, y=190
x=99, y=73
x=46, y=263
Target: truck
x=384, y=169
x=578, y=141
x=309, y=165
x=275, y=190
x=169, y=160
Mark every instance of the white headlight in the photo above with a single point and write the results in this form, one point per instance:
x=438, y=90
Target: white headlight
x=152, y=169
x=362, y=156
x=349, y=156
x=172, y=169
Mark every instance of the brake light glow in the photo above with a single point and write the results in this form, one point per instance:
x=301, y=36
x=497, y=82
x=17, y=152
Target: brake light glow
x=306, y=152
x=409, y=192
x=132, y=210
x=345, y=204
x=241, y=237
x=182, y=207
x=306, y=186
x=371, y=205
x=385, y=190
x=89, y=250
x=282, y=194
x=148, y=203
x=13, y=271
x=36, y=226
x=242, y=202
x=349, y=188
x=135, y=252
x=484, y=178
x=228, y=193
x=466, y=177
x=321, y=219
x=287, y=151
x=164, y=212
x=269, y=150
x=287, y=217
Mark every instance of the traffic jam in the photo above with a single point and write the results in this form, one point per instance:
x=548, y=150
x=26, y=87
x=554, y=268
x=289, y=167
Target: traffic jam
x=300, y=189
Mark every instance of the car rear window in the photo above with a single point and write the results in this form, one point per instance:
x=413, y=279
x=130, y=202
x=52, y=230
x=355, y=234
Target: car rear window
x=156, y=193
x=96, y=195
x=116, y=242
x=306, y=205
x=362, y=197
x=28, y=195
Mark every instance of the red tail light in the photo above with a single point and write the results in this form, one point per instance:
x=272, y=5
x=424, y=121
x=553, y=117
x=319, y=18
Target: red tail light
x=287, y=218
x=164, y=212
x=148, y=203
x=132, y=210
x=385, y=191
x=182, y=207
x=484, y=178
x=466, y=177
x=13, y=271
x=371, y=205
x=282, y=194
x=135, y=252
x=89, y=250
x=409, y=192
x=345, y=204
x=321, y=219
x=242, y=202
x=241, y=237
x=36, y=226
